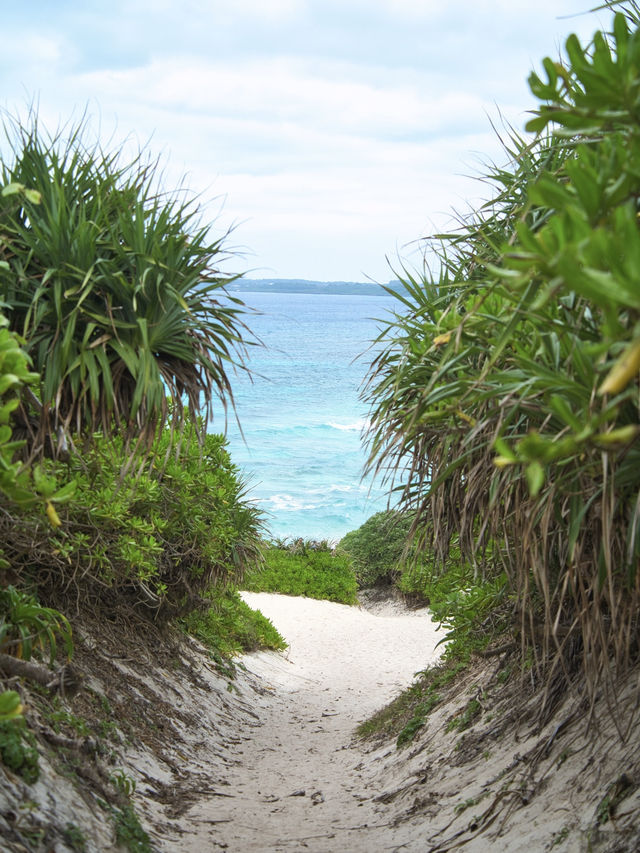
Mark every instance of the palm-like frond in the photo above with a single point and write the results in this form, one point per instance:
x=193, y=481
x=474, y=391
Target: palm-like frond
x=493, y=409
x=115, y=286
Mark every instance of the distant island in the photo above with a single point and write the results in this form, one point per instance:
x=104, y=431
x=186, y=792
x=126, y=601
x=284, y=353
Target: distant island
x=300, y=285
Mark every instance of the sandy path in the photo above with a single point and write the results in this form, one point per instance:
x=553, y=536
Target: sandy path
x=298, y=784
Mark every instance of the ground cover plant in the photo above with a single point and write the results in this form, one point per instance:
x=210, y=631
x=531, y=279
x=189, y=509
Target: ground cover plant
x=229, y=627
x=306, y=568
x=504, y=401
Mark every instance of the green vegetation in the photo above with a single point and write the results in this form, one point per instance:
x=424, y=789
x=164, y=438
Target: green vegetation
x=17, y=749
x=461, y=722
x=408, y=712
x=305, y=568
x=15, y=376
x=420, y=714
x=115, y=337
x=472, y=608
x=377, y=548
x=129, y=832
x=10, y=705
x=158, y=540
x=474, y=611
x=504, y=400
x=114, y=286
x=508, y=385
x=25, y=626
x=75, y=838
x=230, y=626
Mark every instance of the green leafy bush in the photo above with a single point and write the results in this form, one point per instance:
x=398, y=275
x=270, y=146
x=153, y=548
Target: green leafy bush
x=19, y=483
x=10, y=705
x=27, y=626
x=311, y=569
x=377, y=547
x=471, y=609
x=15, y=374
x=129, y=830
x=155, y=539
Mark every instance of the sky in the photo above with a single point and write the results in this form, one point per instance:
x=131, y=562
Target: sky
x=330, y=136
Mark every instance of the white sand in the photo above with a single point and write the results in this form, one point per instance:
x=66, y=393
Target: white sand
x=270, y=763
x=342, y=656
x=298, y=784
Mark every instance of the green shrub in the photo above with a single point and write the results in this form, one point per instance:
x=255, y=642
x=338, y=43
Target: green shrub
x=229, y=626
x=129, y=831
x=473, y=610
x=156, y=538
x=472, y=607
x=10, y=705
x=311, y=569
x=17, y=749
x=26, y=626
x=377, y=548
x=15, y=375
x=75, y=838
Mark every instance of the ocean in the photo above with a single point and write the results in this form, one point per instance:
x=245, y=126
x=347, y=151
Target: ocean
x=302, y=455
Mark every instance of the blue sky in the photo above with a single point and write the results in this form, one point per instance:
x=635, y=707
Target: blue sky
x=331, y=135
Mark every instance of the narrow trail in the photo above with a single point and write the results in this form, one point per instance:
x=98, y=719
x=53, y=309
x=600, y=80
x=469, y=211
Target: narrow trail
x=269, y=762
x=300, y=782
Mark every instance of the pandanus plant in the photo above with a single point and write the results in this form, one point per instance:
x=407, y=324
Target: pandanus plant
x=505, y=398
x=114, y=285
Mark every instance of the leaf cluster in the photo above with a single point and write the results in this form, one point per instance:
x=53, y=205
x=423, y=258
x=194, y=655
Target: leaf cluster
x=27, y=626
x=15, y=375
x=17, y=749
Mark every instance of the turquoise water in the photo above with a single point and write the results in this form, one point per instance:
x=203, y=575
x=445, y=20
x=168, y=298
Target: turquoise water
x=301, y=417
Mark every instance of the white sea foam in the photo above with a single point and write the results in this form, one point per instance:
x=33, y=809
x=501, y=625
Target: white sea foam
x=287, y=503
x=352, y=427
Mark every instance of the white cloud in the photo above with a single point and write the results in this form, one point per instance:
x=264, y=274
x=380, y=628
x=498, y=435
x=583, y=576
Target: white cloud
x=32, y=50
x=335, y=130
x=284, y=95
x=272, y=9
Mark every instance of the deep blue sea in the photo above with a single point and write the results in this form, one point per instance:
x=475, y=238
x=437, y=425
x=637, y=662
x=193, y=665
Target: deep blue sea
x=302, y=420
